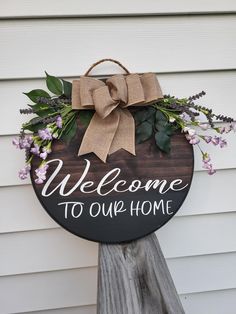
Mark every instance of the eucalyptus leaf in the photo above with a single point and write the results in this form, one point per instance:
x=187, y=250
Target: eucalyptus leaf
x=54, y=84
x=143, y=132
x=70, y=131
x=35, y=93
x=165, y=127
x=67, y=86
x=160, y=116
x=85, y=117
x=145, y=114
x=163, y=141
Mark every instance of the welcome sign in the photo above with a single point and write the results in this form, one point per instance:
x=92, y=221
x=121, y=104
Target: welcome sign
x=85, y=167
x=121, y=200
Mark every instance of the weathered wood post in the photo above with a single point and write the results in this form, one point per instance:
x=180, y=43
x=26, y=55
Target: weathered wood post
x=133, y=278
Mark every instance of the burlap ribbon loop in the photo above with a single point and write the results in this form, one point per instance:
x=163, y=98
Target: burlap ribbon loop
x=112, y=126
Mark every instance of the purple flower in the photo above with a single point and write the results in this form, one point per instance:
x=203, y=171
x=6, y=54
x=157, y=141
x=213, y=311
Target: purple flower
x=24, y=172
x=41, y=173
x=184, y=117
x=59, y=122
x=207, y=139
x=211, y=171
x=223, y=143
x=23, y=142
x=38, y=181
x=35, y=150
x=16, y=142
x=26, y=142
x=45, y=134
x=43, y=155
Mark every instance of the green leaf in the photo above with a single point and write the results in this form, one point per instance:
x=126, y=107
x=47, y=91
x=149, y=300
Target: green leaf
x=168, y=129
x=42, y=110
x=34, y=125
x=163, y=141
x=35, y=93
x=85, y=117
x=67, y=86
x=160, y=116
x=145, y=114
x=165, y=127
x=35, y=128
x=143, y=132
x=54, y=84
x=70, y=131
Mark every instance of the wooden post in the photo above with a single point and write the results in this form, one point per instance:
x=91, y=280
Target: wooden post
x=133, y=278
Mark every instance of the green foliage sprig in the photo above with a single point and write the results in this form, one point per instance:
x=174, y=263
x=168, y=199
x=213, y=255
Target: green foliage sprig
x=48, y=107
x=55, y=119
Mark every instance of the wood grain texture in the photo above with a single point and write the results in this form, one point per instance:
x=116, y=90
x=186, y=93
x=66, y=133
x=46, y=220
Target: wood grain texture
x=133, y=278
x=192, y=276
x=135, y=42
x=149, y=163
x=27, y=213
x=72, y=8
x=14, y=160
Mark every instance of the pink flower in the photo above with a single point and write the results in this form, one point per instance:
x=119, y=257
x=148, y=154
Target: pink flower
x=206, y=164
x=211, y=171
x=215, y=140
x=190, y=131
x=193, y=139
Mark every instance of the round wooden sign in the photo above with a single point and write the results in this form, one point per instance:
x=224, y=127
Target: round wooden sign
x=121, y=200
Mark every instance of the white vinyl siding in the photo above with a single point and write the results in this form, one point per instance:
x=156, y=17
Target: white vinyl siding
x=191, y=46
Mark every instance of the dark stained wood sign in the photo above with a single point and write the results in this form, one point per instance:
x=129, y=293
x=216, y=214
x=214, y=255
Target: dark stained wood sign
x=121, y=200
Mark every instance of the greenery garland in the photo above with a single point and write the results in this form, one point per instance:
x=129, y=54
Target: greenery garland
x=55, y=119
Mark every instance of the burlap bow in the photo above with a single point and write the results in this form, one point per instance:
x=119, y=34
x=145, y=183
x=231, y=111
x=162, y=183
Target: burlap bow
x=112, y=126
